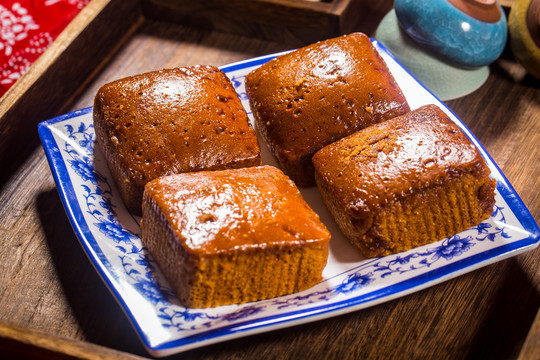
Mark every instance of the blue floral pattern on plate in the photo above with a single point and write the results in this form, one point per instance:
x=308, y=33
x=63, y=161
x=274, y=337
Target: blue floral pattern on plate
x=110, y=236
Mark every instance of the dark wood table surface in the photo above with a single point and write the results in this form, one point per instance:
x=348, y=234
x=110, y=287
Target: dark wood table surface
x=51, y=294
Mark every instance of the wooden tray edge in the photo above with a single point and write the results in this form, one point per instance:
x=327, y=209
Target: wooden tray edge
x=21, y=342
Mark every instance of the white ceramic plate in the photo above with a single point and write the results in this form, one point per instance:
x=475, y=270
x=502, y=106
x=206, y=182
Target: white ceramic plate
x=110, y=237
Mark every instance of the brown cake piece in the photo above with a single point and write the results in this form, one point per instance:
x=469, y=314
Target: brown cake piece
x=405, y=182
x=171, y=121
x=311, y=97
x=233, y=236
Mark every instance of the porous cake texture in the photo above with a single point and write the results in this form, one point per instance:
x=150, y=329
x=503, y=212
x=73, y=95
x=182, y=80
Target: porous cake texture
x=233, y=236
x=406, y=182
x=171, y=121
x=313, y=96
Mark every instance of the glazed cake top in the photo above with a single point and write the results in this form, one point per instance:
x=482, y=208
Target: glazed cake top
x=317, y=94
x=215, y=211
x=397, y=158
x=175, y=120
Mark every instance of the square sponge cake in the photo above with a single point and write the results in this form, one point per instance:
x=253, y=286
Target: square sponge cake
x=171, y=121
x=406, y=182
x=313, y=96
x=233, y=236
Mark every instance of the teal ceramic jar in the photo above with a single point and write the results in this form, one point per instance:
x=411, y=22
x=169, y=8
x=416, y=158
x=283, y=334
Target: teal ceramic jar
x=468, y=33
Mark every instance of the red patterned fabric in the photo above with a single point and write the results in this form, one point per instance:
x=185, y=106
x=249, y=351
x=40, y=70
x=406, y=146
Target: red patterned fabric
x=27, y=28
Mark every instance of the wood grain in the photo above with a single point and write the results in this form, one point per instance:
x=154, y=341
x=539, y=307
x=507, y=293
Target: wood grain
x=49, y=288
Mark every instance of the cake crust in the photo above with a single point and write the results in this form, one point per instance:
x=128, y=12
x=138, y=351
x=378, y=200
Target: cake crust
x=313, y=96
x=222, y=237
x=404, y=183
x=171, y=121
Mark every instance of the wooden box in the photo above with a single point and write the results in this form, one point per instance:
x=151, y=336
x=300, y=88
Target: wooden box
x=277, y=20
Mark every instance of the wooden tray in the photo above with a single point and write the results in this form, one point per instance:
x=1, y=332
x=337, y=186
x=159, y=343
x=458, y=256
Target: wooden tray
x=92, y=49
